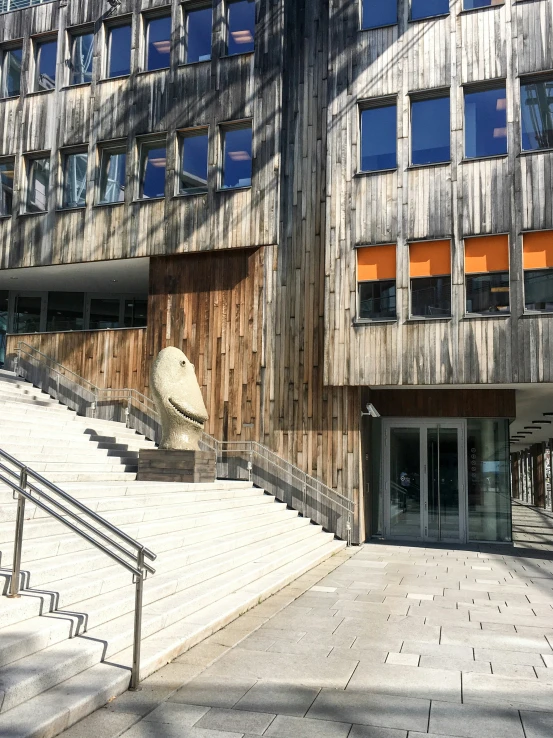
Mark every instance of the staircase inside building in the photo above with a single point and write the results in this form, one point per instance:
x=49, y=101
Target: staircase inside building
x=66, y=643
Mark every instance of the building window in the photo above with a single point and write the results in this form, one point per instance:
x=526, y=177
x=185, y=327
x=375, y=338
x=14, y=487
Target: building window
x=538, y=271
x=376, y=278
x=487, y=274
x=104, y=313
x=378, y=138
x=194, y=162
x=240, y=26
x=4, y=295
x=45, y=65
x=377, y=13
x=473, y=4
x=119, y=42
x=10, y=72
x=198, y=23
x=113, y=169
x=153, y=163
x=158, y=42
x=536, y=100
x=485, y=122
x=7, y=167
x=135, y=313
x=74, y=179
x=430, y=131
x=80, y=63
x=237, y=156
x=38, y=179
x=65, y=311
x=430, y=273
x=428, y=8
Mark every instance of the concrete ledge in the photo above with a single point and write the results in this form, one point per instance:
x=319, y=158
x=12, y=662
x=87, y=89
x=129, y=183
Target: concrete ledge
x=160, y=465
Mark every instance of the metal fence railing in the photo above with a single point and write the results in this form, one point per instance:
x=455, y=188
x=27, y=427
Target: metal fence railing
x=6, y=6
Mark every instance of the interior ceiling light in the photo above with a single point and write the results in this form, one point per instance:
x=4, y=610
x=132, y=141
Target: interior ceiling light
x=239, y=155
x=532, y=427
x=162, y=47
x=242, y=37
x=543, y=421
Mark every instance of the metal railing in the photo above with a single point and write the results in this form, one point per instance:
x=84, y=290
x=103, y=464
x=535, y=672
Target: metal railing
x=6, y=6
x=28, y=485
x=235, y=459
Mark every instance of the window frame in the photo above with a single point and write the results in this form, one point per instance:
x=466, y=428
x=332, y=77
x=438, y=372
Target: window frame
x=36, y=43
x=227, y=5
x=438, y=93
x=484, y=86
x=146, y=18
x=142, y=143
x=192, y=132
x=224, y=128
x=359, y=282
x=188, y=6
x=374, y=28
x=529, y=79
x=28, y=159
x=525, y=311
x=483, y=7
x=64, y=154
x=371, y=104
x=7, y=160
x=5, y=49
x=72, y=34
x=426, y=17
x=108, y=26
x=413, y=317
x=103, y=148
x=506, y=313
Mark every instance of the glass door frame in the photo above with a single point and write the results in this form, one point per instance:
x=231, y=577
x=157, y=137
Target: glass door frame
x=423, y=425
x=12, y=303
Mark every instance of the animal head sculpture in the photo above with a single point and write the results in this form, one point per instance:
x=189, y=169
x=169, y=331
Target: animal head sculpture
x=178, y=399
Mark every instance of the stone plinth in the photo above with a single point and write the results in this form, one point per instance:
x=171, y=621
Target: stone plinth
x=160, y=465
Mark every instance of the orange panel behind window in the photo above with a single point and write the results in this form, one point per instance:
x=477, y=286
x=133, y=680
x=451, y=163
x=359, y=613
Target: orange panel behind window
x=486, y=254
x=430, y=258
x=376, y=262
x=538, y=250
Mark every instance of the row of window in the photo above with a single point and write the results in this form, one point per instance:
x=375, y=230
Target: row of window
x=485, y=124
x=486, y=277
x=195, y=46
x=192, y=171
x=380, y=13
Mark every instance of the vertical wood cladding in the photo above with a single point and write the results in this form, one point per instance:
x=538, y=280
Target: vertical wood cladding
x=497, y=195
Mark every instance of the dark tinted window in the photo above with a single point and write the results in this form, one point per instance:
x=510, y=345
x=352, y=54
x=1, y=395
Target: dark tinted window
x=485, y=123
x=377, y=299
x=237, y=147
x=431, y=297
x=82, y=52
x=378, y=138
x=428, y=8
x=119, y=51
x=152, y=170
x=375, y=13
x=158, y=43
x=430, y=131
x=27, y=312
x=193, y=174
x=45, y=65
x=536, y=100
x=65, y=311
x=199, y=22
x=6, y=186
x=471, y=4
x=11, y=73
x=104, y=313
x=74, y=180
x=538, y=289
x=112, y=175
x=136, y=313
x=3, y=324
x=488, y=293
x=241, y=26
x=38, y=178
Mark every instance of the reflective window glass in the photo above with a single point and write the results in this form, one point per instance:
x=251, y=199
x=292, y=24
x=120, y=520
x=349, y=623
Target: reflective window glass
x=27, y=312
x=199, y=22
x=6, y=186
x=488, y=293
x=241, y=26
x=485, y=123
x=378, y=138
x=153, y=163
x=237, y=154
x=112, y=175
x=11, y=72
x=375, y=13
x=3, y=324
x=538, y=289
x=193, y=174
x=428, y=8
x=158, y=43
x=536, y=100
x=74, y=180
x=136, y=313
x=430, y=131
x=119, y=51
x=45, y=65
x=472, y=4
x=104, y=313
x=377, y=299
x=431, y=297
x=65, y=311
x=38, y=178
x=82, y=53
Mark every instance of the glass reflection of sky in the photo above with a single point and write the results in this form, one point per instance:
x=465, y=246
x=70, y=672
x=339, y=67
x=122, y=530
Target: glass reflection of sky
x=241, y=26
x=377, y=13
x=430, y=131
x=378, y=138
x=198, y=37
x=159, y=43
x=238, y=158
x=485, y=123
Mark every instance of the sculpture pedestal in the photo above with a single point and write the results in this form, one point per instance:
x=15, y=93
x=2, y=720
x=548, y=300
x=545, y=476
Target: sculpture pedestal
x=161, y=465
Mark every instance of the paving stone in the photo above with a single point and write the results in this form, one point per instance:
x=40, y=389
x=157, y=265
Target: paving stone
x=152, y=730
x=537, y=724
x=513, y=670
x=465, y=653
x=292, y=727
x=256, y=642
x=474, y=721
x=452, y=664
x=279, y=699
x=102, y=723
x=452, y=635
x=322, y=589
x=407, y=681
x=497, y=656
x=235, y=721
x=180, y=714
x=403, y=659
x=520, y=693
x=214, y=691
x=367, y=731
x=365, y=707
x=548, y=659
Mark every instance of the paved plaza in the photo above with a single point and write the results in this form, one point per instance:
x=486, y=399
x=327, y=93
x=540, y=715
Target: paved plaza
x=382, y=641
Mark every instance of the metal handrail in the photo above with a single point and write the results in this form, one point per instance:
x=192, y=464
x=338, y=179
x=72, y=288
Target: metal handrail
x=100, y=533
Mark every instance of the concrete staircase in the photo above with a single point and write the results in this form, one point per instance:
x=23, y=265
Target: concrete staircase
x=66, y=644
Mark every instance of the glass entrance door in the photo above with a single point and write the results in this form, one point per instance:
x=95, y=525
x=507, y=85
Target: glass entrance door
x=424, y=465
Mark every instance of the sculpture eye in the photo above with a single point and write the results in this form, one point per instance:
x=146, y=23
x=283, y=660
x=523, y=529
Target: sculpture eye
x=183, y=362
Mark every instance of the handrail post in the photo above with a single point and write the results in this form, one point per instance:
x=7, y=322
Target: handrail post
x=139, y=581
x=304, y=495
x=250, y=462
x=18, y=541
